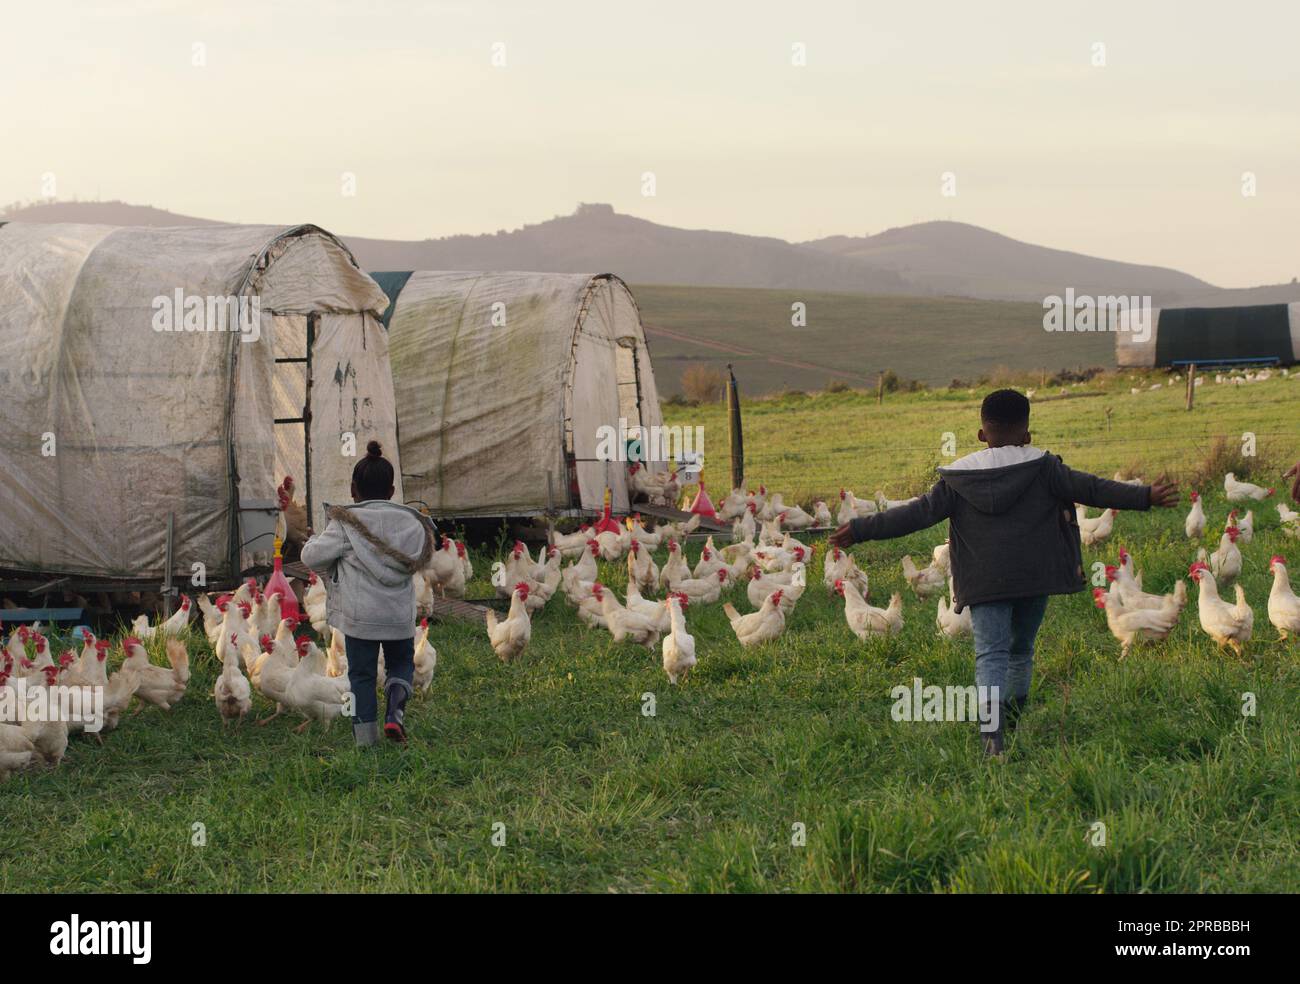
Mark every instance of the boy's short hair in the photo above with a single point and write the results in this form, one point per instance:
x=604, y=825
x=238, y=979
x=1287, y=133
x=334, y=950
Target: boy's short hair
x=1005, y=409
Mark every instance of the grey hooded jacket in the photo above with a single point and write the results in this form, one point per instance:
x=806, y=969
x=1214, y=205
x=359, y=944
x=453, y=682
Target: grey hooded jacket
x=1011, y=522
x=367, y=555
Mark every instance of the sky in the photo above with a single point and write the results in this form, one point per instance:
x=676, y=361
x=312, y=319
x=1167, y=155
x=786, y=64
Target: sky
x=401, y=119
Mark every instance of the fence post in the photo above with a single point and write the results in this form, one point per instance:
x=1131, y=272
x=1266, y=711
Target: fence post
x=1191, y=384
x=880, y=387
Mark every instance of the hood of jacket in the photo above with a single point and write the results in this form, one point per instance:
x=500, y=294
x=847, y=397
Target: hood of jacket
x=994, y=479
x=390, y=540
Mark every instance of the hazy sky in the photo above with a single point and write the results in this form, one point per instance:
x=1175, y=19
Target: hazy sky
x=1139, y=160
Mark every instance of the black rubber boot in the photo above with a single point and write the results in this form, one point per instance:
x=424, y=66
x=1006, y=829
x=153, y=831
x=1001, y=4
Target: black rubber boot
x=396, y=692
x=366, y=734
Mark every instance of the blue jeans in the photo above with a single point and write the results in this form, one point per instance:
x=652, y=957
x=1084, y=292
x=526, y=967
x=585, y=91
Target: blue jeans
x=363, y=671
x=1004, y=643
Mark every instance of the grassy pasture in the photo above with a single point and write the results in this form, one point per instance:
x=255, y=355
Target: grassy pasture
x=594, y=795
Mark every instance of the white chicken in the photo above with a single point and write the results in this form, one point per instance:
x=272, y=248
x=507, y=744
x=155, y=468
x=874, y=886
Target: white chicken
x=1093, y=530
x=570, y=545
x=1225, y=563
x=172, y=627
x=941, y=558
x=1286, y=514
x=623, y=623
x=757, y=627
x=1194, y=525
x=791, y=517
x=653, y=610
x=925, y=582
x=49, y=736
x=822, y=514
x=866, y=620
x=675, y=567
x=840, y=565
x=336, y=658
x=678, y=645
x=1283, y=605
x=426, y=659
x=312, y=693
x=314, y=603
x=16, y=749
x=510, y=636
x=1227, y=625
x=952, y=623
x=641, y=568
x=445, y=571
x=1128, y=625
x=1236, y=491
x=614, y=545
x=791, y=585
x=710, y=561
x=232, y=692
x=703, y=590
x=732, y=506
x=159, y=686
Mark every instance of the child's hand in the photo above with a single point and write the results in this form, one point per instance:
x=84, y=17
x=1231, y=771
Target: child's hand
x=842, y=537
x=1294, y=470
x=1164, y=494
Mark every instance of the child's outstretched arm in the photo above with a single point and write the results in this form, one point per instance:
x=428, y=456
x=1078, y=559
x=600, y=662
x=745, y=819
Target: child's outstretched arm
x=1092, y=490
x=933, y=507
x=323, y=550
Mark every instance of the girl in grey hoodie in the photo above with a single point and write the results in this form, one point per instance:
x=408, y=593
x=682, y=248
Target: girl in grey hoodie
x=367, y=556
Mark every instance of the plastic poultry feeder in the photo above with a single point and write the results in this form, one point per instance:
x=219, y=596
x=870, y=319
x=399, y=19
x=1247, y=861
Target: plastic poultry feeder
x=703, y=505
x=606, y=524
x=278, y=582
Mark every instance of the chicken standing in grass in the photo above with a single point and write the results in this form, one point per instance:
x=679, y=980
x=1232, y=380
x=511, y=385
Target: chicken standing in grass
x=951, y=622
x=641, y=568
x=232, y=692
x=757, y=627
x=678, y=645
x=1130, y=624
x=1225, y=563
x=926, y=581
x=159, y=686
x=170, y=628
x=1283, y=605
x=313, y=694
x=866, y=620
x=1227, y=625
x=1093, y=531
x=16, y=749
x=623, y=623
x=1194, y=525
x=1236, y=491
x=510, y=636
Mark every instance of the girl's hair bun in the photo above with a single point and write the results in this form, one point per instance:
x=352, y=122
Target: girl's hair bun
x=375, y=450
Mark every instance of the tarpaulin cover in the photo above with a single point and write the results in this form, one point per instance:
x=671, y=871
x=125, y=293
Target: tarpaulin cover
x=496, y=374
x=1210, y=335
x=110, y=424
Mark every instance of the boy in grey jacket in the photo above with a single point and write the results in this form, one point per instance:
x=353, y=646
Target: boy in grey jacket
x=367, y=555
x=1014, y=540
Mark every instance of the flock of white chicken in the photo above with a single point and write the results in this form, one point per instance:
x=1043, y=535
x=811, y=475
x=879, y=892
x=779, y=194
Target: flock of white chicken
x=763, y=556
x=259, y=651
x=1133, y=614
x=256, y=647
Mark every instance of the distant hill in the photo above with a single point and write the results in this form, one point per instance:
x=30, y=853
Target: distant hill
x=595, y=237
x=968, y=261
x=930, y=259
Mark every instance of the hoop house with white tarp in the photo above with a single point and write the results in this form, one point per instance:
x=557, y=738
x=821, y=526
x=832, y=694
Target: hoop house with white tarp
x=178, y=372
x=507, y=384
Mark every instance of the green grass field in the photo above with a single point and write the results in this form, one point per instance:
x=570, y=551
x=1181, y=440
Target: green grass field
x=704, y=796
x=850, y=337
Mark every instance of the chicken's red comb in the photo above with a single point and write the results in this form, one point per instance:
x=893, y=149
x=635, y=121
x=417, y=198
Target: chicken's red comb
x=130, y=641
x=265, y=641
x=1277, y=559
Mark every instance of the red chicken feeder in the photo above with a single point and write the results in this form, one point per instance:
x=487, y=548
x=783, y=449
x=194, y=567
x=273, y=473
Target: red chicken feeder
x=703, y=505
